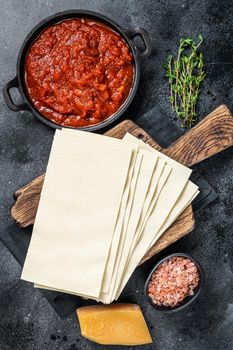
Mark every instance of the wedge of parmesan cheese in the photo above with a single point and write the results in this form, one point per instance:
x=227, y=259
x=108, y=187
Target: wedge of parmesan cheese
x=116, y=324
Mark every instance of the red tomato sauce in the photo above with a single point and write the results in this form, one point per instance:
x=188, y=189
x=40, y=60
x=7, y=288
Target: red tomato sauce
x=78, y=72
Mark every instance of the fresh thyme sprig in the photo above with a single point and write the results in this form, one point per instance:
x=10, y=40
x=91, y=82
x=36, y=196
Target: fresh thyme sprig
x=185, y=75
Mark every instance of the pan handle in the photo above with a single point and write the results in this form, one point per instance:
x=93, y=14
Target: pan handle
x=8, y=99
x=131, y=33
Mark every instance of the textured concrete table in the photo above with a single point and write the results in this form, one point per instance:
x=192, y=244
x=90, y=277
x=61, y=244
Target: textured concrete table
x=27, y=321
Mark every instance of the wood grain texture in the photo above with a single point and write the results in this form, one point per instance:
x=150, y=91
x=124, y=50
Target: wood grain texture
x=27, y=200
x=212, y=135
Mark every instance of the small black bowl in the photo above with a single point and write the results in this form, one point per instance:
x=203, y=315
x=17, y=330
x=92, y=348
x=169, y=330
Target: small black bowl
x=189, y=299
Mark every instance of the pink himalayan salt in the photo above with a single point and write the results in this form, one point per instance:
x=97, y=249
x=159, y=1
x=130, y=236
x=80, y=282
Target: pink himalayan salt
x=173, y=281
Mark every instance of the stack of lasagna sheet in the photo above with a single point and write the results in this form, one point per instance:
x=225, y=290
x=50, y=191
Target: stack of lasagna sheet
x=104, y=203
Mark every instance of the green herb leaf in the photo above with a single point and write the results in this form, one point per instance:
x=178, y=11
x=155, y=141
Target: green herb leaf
x=185, y=75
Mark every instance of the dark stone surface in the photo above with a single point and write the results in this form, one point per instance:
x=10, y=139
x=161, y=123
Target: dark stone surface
x=27, y=321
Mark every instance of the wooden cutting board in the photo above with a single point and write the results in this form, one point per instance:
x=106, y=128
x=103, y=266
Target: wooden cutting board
x=212, y=135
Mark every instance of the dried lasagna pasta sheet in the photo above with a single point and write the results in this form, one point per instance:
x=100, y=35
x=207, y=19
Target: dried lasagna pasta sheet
x=187, y=196
x=105, y=297
x=118, y=228
x=159, y=178
x=163, y=178
x=164, y=204
x=156, y=184
x=64, y=240
x=132, y=231
x=148, y=207
x=41, y=286
x=189, y=193
x=147, y=171
x=137, y=164
x=147, y=166
x=175, y=184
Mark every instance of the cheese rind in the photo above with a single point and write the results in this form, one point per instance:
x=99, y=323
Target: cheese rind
x=115, y=324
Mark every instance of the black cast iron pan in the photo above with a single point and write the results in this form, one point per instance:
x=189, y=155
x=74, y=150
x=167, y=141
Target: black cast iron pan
x=19, y=83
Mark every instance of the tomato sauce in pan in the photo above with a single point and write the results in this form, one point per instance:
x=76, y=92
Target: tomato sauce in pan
x=78, y=72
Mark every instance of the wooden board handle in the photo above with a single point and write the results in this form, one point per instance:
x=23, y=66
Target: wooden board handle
x=212, y=135
x=27, y=200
